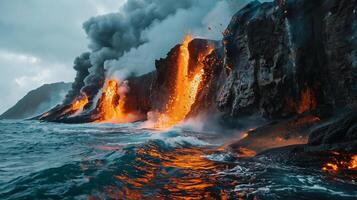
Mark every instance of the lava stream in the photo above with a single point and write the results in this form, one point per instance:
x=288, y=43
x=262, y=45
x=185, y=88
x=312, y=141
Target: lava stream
x=76, y=105
x=111, y=104
x=186, y=87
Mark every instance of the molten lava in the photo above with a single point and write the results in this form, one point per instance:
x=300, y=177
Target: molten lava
x=186, y=87
x=307, y=101
x=80, y=103
x=330, y=167
x=76, y=105
x=110, y=104
x=351, y=164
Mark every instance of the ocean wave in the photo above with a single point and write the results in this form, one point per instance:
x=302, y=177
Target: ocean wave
x=105, y=161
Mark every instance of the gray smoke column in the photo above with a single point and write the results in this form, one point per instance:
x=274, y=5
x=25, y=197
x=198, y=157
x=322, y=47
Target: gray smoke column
x=142, y=31
x=204, y=19
x=81, y=65
x=113, y=34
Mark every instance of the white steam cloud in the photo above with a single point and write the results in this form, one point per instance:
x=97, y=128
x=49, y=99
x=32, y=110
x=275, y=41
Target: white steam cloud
x=144, y=30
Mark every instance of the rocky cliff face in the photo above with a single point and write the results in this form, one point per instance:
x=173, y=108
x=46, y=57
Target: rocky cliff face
x=294, y=58
x=138, y=96
x=291, y=57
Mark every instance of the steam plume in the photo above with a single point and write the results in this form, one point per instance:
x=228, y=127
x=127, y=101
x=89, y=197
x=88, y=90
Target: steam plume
x=140, y=32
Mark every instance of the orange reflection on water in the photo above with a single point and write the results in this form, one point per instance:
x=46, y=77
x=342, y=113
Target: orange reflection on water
x=122, y=193
x=180, y=174
x=197, y=175
x=188, y=158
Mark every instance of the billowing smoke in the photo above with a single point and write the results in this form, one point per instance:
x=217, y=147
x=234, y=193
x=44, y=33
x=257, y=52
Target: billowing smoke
x=141, y=31
x=81, y=65
x=206, y=19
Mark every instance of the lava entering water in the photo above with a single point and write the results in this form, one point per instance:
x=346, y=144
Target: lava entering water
x=186, y=88
x=111, y=104
x=77, y=105
x=80, y=103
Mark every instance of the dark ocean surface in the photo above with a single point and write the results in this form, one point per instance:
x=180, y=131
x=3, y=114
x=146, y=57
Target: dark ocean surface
x=41, y=160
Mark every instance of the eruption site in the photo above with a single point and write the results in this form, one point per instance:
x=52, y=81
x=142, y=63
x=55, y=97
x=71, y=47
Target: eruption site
x=111, y=104
x=185, y=71
x=187, y=86
x=79, y=104
x=293, y=80
x=257, y=102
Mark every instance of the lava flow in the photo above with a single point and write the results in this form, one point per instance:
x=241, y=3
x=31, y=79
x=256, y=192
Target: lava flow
x=111, y=104
x=77, y=104
x=351, y=164
x=186, y=88
x=80, y=103
x=308, y=101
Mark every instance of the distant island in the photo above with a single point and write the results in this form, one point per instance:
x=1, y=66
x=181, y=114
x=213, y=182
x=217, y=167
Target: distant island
x=38, y=101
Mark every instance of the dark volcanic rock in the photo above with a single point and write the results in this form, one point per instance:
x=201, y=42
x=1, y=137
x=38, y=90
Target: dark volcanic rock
x=341, y=130
x=164, y=79
x=38, y=101
x=290, y=59
x=138, y=97
x=306, y=156
x=277, y=134
x=331, y=141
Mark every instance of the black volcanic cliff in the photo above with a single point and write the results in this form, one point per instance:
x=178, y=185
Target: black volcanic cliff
x=284, y=60
x=294, y=59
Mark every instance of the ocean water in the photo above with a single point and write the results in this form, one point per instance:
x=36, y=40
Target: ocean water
x=40, y=160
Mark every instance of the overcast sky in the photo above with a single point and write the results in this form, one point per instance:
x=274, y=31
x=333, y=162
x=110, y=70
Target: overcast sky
x=39, y=40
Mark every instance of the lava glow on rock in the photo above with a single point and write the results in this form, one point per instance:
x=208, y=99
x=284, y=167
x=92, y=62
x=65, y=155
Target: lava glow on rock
x=110, y=105
x=80, y=103
x=77, y=105
x=186, y=87
x=351, y=164
x=308, y=101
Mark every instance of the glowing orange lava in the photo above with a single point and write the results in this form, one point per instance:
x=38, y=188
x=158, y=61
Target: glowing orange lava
x=307, y=102
x=353, y=162
x=330, y=167
x=342, y=164
x=80, y=103
x=186, y=87
x=76, y=105
x=111, y=104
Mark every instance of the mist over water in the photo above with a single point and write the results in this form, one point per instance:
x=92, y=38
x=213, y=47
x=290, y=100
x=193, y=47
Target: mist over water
x=42, y=160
